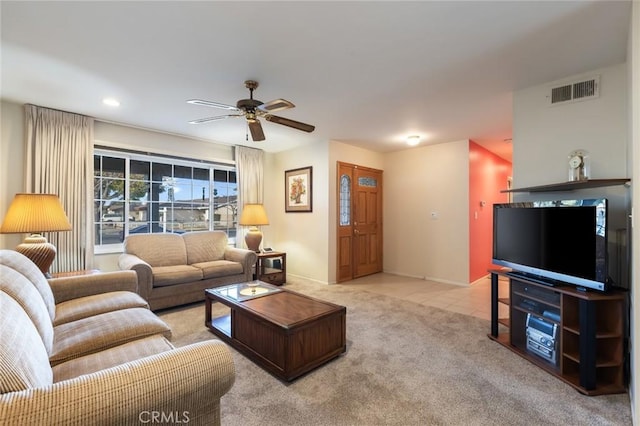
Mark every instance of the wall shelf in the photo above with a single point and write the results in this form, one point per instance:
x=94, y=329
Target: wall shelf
x=571, y=186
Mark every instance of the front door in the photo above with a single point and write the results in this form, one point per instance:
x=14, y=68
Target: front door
x=359, y=236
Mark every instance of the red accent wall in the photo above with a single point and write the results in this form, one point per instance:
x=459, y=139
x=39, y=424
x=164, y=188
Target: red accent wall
x=488, y=175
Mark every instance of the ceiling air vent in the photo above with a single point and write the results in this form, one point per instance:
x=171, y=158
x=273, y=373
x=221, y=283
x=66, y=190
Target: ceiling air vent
x=575, y=91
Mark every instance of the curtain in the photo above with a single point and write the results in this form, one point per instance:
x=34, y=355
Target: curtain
x=60, y=161
x=250, y=170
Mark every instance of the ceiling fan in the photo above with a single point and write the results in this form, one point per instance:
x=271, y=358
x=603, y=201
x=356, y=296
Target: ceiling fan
x=251, y=109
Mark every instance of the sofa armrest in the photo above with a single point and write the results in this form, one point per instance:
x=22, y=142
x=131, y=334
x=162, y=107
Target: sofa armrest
x=186, y=383
x=86, y=285
x=128, y=261
x=247, y=258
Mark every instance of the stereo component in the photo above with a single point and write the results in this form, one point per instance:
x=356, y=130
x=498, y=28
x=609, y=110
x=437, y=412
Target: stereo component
x=541, y=338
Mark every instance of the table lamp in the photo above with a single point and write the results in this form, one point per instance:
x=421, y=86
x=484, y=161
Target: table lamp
x=34, y=214
x=253, y=215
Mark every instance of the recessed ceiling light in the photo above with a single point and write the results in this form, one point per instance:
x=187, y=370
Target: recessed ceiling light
x=112, y=102
x=413, y=140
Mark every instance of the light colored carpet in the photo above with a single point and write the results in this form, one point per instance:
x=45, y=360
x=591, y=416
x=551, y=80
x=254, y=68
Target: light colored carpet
x=406, y=364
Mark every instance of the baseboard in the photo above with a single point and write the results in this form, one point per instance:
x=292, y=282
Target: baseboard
x=426, y=278
x=440, y=280
x=481, y=279
x=300, y=277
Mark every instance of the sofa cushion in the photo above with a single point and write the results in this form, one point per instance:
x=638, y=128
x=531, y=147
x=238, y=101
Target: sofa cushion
x=26, y=267
x=219, y=268
x=100, y=332
x=83, y=307
x=111, y=357
x=157, y=249
x=178, y=274
x=24, y=362
x=205, y=246
x=25, y=294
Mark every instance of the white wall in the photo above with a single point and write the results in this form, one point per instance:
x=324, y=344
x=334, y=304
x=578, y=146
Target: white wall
x=12, y=162
x=420, y=181
x=543, y=135
x=303, y=236
x=125, y=137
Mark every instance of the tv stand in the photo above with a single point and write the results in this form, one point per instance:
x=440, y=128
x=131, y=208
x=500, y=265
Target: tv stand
x=588, y=349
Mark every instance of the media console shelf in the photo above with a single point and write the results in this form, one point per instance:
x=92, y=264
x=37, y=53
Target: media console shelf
x=590, y=338
x=570, y=186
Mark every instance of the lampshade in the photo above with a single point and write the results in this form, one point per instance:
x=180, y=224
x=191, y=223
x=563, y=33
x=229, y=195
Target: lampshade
x=35, y=213
x=253, y=215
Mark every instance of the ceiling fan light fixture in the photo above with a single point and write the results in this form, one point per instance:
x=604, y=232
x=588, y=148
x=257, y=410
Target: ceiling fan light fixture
x=251, y=117
x=413, y=140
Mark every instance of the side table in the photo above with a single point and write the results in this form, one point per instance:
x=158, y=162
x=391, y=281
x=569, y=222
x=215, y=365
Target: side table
x=271, y=267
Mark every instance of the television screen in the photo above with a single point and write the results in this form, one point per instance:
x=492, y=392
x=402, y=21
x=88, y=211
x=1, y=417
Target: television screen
x=553, y=241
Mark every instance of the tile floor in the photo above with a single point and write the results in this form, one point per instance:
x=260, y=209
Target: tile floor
x=472, y=300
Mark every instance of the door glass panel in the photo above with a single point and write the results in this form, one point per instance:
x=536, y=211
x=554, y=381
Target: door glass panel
x=367, y=181
x=345, y=200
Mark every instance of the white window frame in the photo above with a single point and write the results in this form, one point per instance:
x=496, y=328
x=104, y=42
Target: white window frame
x=175, y=161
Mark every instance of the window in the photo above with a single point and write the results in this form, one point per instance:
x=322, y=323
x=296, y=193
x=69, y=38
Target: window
x=136, y=193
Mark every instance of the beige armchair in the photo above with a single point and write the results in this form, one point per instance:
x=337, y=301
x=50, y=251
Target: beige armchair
x=87, y=350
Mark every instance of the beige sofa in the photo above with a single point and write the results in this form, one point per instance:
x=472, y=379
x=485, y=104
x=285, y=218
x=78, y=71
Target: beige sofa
x=87, y=350
x=175, y=269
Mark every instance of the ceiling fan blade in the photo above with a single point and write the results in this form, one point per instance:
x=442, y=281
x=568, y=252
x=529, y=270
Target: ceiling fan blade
x=210, y=119
x=256, y=130
x=291, y=123
x=276, y=105
x=202, y=102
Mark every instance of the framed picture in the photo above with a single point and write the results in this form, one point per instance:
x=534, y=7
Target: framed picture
x=298, y=187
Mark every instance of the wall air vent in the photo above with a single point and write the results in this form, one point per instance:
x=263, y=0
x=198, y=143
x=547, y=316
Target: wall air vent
x=575, y=91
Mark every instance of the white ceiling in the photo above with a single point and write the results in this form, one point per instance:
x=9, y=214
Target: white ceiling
x=364, y=73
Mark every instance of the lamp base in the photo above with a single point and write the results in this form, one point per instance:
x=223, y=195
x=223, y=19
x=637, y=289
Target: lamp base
x=39, y=251
x=253, y=238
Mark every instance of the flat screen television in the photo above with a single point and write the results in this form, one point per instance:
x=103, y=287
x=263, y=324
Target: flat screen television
x=553, y=242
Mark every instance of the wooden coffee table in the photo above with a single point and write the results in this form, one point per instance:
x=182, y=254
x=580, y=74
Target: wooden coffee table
x=286, y=333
